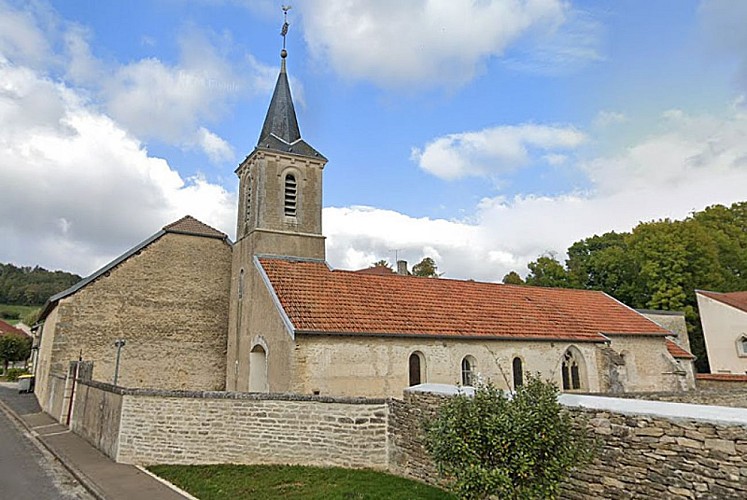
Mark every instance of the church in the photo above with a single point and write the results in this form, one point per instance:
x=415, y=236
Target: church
x=188, y=309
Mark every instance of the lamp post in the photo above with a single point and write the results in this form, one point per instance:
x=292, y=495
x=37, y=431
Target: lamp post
x=119, y=344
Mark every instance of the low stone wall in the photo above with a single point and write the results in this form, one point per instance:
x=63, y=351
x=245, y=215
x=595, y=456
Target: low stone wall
x=721, y=382
x=647, y=456
x=180, y=427
x=686, y=451
x=717, y=396
x=96, y=415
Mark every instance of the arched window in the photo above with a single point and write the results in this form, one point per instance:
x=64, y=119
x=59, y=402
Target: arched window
x=572, y=370
x=258, y=369
x=742, y=345
x=241, y=284
x=416, y=367
x=291, y=195
x=518, y=373
x=469, y=367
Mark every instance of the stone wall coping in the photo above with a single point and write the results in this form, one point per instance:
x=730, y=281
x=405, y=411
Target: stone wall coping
x=251, y=396
x=678, y=411
x=443, y=389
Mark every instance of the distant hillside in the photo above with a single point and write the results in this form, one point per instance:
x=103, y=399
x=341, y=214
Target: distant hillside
x=31, y=286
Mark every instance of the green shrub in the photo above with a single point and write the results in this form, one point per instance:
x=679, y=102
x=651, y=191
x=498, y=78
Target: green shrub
x=519, y=447
x=14, y=373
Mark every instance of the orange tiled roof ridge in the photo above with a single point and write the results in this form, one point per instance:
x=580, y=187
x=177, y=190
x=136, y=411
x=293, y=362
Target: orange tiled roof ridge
x=190, y=225
x=8, y=329
x=734, y=299
x=676, y=351
x=319, y=300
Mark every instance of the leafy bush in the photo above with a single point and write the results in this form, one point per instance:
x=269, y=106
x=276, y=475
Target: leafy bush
x=519, y=447
x=14, y=373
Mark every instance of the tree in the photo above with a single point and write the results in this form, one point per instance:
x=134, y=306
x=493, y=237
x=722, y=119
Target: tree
x=524, y=447
x=513, y=278
x=14, y=348
x=426, y=268
x=381, y=263
x=547, y=271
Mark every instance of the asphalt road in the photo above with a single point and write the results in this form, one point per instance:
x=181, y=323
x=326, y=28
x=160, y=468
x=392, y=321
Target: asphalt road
x=28, y=471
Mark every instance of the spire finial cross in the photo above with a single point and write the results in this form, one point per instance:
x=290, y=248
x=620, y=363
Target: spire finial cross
x=284, y=30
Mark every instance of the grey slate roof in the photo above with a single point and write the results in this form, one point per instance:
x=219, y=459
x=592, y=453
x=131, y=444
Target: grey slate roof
x=280, y=131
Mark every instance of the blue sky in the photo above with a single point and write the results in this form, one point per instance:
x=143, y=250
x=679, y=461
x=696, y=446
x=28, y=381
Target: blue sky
x=480, y=133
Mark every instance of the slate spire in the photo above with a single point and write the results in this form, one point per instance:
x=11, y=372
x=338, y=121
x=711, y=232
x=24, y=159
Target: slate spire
x=280, y=131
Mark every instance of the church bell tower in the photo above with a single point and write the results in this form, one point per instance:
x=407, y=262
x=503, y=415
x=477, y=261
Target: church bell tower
x=279, y=214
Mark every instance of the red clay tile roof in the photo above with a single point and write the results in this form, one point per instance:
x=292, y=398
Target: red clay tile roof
x=7, y=329
x=678, y=352
x=380, y=270
x=722, y=377
x=319, y=300
x=190, y=225
x=734, y=299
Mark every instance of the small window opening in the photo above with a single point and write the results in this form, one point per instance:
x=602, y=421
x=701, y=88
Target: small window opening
x=248, y=211
x=571, y=376
x=291, y=195
x=518, y=373
x=468, y=371
x=241, y=284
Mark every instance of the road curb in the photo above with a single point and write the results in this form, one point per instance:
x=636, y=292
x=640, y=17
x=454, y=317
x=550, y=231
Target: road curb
x=165, y=482
x=72, y=469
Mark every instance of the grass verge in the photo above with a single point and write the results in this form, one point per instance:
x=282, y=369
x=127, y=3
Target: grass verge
x=236, y=482
x=12, y=314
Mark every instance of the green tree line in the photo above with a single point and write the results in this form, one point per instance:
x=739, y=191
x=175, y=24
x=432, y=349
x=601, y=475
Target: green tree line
x=657, y=265
x=31, y=286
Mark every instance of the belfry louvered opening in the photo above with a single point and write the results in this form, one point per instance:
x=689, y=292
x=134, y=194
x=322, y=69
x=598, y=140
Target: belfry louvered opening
x=291, y=195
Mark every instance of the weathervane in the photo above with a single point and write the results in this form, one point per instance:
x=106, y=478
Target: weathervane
x=284, y=30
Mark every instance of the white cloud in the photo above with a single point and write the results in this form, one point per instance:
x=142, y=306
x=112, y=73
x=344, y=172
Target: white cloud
x=696, y=161
x=493, y=151
x=21, y=36
x=76, y=188
x=607, y=118
x=218, y=150
x=398, y=43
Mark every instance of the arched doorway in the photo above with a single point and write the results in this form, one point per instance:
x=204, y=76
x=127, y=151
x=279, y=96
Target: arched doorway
x=258, y=370
x=416, y=367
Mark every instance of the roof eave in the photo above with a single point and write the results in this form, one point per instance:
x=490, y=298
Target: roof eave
x=599, y=339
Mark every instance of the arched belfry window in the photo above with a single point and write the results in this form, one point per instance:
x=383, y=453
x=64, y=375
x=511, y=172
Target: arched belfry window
x=291, y=195
x=416, y=369
x=572, y=370
x=518, y=370
x=469, y=371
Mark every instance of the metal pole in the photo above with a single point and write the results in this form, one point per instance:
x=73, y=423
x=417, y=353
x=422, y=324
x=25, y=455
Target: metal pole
x=119, y=343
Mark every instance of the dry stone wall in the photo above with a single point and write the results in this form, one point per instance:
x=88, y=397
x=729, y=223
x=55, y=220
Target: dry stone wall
x=718, y=396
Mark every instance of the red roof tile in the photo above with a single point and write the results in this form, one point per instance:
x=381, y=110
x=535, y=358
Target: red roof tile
x=734, y=299
x=380, y=270
x=677, y=351
x=319, y=300
x=8, y=329
x=722, y=377
x=190, y=225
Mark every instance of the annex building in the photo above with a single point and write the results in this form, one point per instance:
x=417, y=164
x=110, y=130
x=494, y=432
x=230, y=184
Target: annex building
x=266, y=313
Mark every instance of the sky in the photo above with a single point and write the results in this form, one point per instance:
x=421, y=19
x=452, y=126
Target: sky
x=480, y=133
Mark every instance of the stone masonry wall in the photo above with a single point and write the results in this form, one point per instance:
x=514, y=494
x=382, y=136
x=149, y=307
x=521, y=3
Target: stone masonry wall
x=199, y=428
x=96, y=415
x=169, y=302
x=640, y=456
x=735, y=398
x=649, y=457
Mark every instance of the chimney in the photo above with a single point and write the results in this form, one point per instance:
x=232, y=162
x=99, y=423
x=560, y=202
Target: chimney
x=402, y=268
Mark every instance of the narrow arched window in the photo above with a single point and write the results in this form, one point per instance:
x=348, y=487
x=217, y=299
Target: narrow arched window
x=291, y=195
x=415, y=367
x=241, y=284
x=468, y=371
x=518, y=373
x=571, y=371
x=742, y=345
